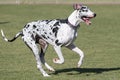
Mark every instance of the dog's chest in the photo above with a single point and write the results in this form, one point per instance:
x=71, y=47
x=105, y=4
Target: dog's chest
x=66, y=34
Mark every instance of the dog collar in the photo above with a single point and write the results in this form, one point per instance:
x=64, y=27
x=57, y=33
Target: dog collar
x=71, y=25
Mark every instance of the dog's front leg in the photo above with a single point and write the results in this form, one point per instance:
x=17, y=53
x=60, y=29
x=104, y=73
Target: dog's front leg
x=77, y=50
x=59, y=60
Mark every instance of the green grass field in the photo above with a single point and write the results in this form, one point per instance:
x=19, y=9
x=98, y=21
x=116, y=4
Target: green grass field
x=100, y=43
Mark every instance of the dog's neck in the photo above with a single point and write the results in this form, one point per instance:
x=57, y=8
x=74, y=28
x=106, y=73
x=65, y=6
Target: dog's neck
x=73, y=19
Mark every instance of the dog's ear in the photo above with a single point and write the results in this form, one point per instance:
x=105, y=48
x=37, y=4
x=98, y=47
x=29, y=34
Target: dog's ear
x=77, y=6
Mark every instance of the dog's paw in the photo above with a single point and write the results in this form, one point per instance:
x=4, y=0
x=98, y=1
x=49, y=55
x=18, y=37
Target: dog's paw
x=57, y=61
x=46, y=75
x=79, y=64
x=51, y=70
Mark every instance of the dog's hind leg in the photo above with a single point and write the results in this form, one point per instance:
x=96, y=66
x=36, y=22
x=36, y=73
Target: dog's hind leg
x=78, y=51
x=32, y=45
x=44, y=45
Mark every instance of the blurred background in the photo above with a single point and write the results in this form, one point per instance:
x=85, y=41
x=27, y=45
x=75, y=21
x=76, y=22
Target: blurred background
x=58, y=1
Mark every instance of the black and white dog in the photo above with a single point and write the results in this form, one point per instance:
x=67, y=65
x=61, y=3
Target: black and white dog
x=57, y=32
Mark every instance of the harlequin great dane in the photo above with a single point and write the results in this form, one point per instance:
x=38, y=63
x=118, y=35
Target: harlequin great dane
x=57, y=32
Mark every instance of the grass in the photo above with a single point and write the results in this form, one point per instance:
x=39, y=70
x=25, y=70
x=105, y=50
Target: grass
x=100, y=43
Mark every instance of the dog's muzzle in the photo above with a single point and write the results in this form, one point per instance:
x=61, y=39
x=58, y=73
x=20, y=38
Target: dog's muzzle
x=86, y=19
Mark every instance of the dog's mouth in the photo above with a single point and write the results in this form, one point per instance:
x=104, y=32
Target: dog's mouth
x=87, y=19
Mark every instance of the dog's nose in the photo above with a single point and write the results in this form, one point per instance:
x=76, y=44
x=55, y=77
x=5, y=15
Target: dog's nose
x=95, y=15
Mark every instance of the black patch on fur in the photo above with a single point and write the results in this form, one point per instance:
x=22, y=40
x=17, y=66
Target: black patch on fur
x=63, y=20
x=57, y=43
x=50, y=33
x=44, y=36
x=56, y=24
x=27, y=26
x=33, y=31
x=48, y=21
x=24, y=29
x=55, y=30
x=22, y=34
x=37, y=29
x=48, y=37
x=32, y=36
x=24, y=26
x=29, y=32
x=45, y=32
x=34, y=26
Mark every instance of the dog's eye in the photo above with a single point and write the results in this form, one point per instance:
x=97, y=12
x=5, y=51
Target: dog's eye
x=84, y=10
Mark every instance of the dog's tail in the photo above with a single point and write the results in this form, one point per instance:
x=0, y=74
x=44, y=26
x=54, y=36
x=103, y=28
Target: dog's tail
x=13, y=39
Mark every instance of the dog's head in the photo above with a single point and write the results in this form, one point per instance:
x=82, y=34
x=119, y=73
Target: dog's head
x=84, y=13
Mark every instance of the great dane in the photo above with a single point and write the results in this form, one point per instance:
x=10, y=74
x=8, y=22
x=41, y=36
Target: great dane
x=57, y=32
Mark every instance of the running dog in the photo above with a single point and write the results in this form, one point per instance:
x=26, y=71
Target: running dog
x=57, y=32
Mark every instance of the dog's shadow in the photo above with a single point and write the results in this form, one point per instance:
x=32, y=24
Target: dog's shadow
x=5, y=22
x=70, y=71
